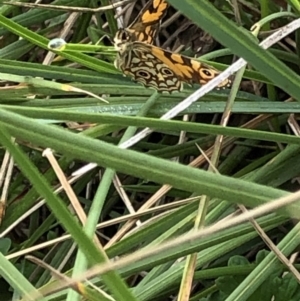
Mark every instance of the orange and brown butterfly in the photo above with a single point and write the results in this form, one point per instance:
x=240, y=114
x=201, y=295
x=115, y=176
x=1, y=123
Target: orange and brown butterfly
x=145, y=26
x=155, y=67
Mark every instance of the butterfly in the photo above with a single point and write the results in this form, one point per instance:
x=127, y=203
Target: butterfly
x=152, y=66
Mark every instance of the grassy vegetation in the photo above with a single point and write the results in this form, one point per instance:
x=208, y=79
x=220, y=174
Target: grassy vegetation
x=159, y=220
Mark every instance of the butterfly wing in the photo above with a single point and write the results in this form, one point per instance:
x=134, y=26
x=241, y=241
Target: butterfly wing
x=144, y=28
x=137, y=61
x=187, y=69
x=163, y=70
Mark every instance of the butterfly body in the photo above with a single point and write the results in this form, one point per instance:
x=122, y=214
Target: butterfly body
x=152, y=66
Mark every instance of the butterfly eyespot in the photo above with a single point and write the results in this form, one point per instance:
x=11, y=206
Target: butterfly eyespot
x=207, y=72
x=166, y=71
x=143, y=74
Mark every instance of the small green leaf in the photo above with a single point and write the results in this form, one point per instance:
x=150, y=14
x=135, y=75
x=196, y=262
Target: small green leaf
x=237, y=260
x=5, y=244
